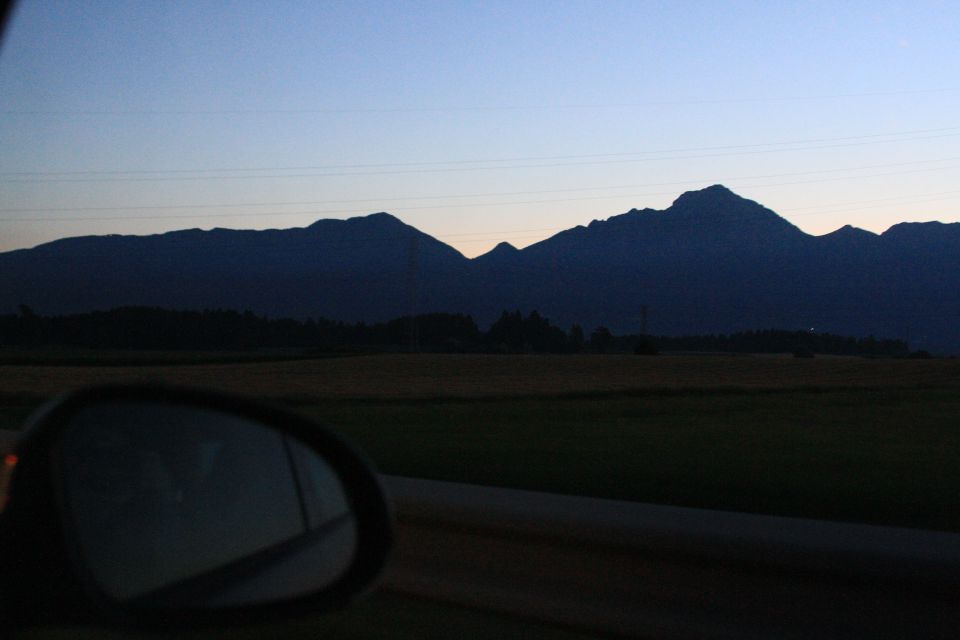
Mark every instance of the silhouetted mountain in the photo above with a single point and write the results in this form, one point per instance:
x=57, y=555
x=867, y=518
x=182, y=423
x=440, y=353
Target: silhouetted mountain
x=848, y=236
x=713, y=262
x=501, y=253
x=356, y=269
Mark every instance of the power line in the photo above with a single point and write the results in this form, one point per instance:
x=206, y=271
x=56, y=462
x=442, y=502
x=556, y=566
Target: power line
x=457, y=169
x=184, y=241
x=875, y=200
x=398, y=247
x=494, y=236
x=134, y=207
x=495, y=239
x=467, y=108
x=486, y=160
x=340, y=211
x=866, y=204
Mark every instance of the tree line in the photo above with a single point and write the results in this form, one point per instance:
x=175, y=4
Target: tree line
x=154, y=328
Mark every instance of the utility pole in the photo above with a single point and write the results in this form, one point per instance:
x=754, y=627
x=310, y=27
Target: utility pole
x=412, y=286
x=643, y=320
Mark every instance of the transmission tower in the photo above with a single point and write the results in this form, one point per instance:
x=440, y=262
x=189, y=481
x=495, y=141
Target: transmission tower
x=412, y=288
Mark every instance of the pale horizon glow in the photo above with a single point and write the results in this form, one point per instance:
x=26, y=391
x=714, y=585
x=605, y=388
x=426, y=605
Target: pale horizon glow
x=476, y=123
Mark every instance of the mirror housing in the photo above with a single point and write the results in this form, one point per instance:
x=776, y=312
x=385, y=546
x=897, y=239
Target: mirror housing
x=70, y=498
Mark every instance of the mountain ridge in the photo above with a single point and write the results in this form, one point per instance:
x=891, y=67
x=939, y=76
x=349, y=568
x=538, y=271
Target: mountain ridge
x=712, y=262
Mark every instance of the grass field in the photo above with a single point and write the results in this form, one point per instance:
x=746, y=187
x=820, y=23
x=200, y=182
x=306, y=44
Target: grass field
x=477, y=376
x=880, y=456
x=840, y=438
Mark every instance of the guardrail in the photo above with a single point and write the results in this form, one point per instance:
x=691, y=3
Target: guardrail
x=641, y=570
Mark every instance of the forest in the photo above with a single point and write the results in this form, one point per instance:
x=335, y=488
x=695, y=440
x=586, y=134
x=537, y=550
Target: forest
x=154, y=328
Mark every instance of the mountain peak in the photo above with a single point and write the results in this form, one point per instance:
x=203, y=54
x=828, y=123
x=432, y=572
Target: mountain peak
x=850, y=231
x=379, y=215
x=848, y=237
x=503, y=251
x=713, y=195
x=717, y=204
x=379, y=218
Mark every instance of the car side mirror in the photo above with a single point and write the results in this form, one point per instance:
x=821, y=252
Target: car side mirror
x=152, y=505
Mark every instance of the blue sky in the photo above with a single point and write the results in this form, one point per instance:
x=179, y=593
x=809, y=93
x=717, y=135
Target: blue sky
x=474, y=121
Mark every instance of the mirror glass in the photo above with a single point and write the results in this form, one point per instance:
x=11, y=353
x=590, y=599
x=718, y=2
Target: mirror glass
x=175, y=505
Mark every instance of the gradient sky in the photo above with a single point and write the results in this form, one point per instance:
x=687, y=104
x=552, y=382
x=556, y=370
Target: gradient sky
x=476, y=122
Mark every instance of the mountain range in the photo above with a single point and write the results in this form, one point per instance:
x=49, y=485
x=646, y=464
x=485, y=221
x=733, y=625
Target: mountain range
x=712, y=262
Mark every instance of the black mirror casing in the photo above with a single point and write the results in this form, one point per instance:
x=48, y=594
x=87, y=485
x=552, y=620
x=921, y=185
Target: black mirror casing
x=44, y=579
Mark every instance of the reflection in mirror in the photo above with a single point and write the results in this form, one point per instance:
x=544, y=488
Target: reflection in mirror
x=174, y=505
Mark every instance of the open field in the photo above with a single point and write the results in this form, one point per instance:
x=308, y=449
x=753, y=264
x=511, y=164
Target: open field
x=478, y=376
x=880, y=456
x=841, y=438
x=78, y=356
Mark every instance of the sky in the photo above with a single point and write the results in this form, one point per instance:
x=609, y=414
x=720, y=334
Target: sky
x=476, y=122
